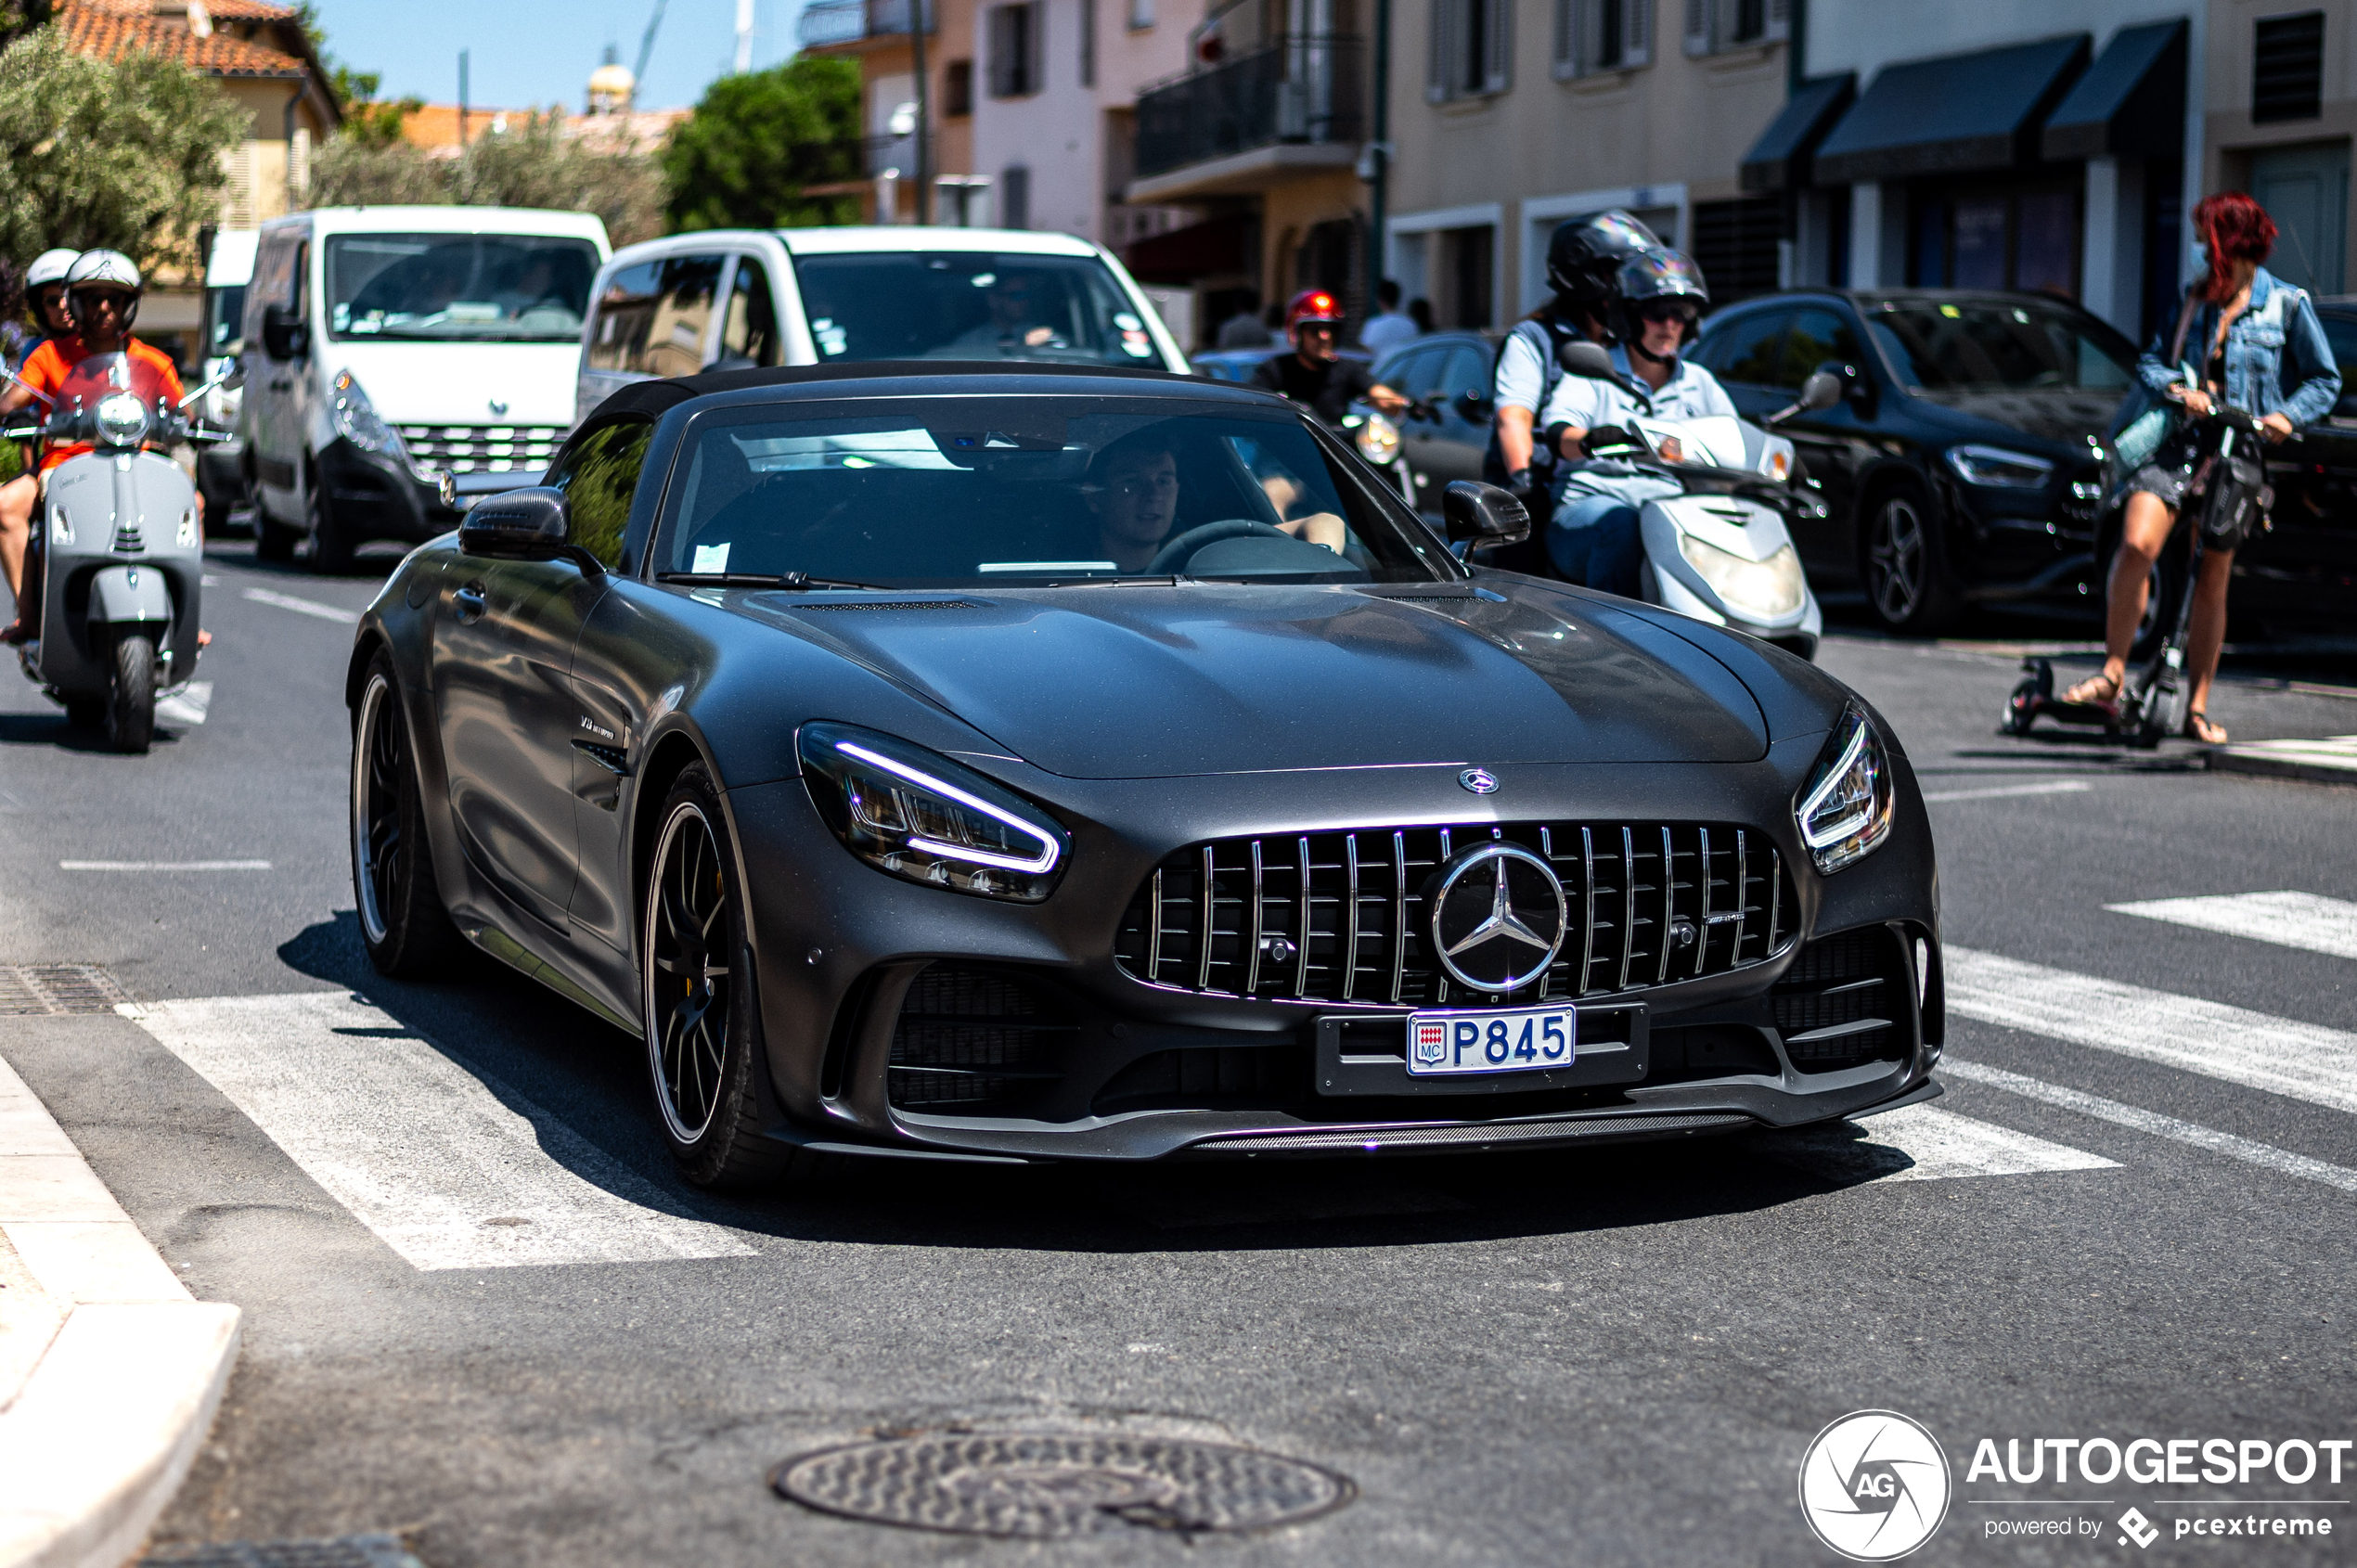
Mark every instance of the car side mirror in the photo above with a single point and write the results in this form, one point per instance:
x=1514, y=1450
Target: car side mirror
x=1484, y=513
x=284, y=335
x=529, y=524
x=1580, y=357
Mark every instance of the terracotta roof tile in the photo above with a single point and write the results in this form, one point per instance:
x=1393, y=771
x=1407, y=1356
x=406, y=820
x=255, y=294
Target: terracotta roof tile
x=107, y=29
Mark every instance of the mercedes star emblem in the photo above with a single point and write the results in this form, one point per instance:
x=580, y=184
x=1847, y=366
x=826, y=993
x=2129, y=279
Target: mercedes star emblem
x=498, y=409
x=1498, y=918
x=1480, y=780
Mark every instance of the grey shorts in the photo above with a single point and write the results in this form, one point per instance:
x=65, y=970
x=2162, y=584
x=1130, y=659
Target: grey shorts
x=2166, y=475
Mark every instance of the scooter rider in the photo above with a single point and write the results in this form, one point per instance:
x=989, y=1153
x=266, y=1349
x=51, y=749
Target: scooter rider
x=45, y=290
x=1314, y=374
x=1593, y=537
x=1583, y=257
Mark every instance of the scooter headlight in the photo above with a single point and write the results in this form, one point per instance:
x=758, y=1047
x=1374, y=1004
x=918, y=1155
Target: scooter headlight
x=905, y=811
x=1756, y=590
x=357, y=421
x=1846, y=812
x=1378, y=439
x=122, y=419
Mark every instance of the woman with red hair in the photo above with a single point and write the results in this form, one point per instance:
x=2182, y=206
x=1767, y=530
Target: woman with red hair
x=2238, y=336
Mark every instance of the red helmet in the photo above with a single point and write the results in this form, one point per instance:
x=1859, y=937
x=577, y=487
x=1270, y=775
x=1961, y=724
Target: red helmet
x=1312, y=305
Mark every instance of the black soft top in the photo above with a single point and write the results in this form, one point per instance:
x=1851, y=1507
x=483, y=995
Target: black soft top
x=654, y=399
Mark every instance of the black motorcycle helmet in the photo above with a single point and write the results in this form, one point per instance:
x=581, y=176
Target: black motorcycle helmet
x=1649, y=280
x=1584, y=252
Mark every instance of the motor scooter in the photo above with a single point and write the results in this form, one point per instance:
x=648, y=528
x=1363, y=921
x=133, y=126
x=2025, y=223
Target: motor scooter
x=113, y=579
x=1720, y=549
x=2229, y=488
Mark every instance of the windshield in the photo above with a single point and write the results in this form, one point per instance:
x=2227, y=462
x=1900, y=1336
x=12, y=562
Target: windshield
x=1998, y=345
x=970, y=304
x=977, y=491
x=226, y=319
x=458, y=288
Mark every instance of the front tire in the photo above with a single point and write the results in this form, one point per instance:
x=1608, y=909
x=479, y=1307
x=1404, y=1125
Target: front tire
x=1905, y=570
x=131, y=695
x=696, y=1002
x=332, y=546
x=403, y=922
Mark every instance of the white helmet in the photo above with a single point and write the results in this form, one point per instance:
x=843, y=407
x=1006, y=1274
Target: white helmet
x=106, y=269
x=49, y=267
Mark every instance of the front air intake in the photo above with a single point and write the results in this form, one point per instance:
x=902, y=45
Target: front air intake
x=971, y=1040
x=1845, y=1000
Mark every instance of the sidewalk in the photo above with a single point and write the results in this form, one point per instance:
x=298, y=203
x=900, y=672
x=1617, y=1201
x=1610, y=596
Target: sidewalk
x=110, y=1371
x=2331, y=760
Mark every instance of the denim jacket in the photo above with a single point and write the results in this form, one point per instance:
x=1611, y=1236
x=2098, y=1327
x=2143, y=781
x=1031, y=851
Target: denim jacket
x=2258, y=355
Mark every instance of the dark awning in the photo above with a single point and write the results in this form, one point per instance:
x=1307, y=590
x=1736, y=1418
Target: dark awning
x=1952, y=115
x=2130, y=103
x=1779, y=160
x=1182, y=255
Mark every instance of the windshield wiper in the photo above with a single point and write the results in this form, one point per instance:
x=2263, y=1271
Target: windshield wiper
x=760, y=579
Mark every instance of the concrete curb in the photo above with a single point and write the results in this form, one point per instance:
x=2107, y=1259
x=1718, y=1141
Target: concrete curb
x=2332, y=760
x=103, y=1429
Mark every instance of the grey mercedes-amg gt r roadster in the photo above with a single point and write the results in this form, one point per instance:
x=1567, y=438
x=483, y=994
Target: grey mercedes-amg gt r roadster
x=1021, y=764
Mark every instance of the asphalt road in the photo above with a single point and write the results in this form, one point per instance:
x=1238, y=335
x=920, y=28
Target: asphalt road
x=2123, y=1220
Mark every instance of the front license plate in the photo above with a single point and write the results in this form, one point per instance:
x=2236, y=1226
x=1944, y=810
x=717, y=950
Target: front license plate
x=1521, y=1040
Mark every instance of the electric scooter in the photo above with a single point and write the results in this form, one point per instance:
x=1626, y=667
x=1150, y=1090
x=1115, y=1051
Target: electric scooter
x=2228, y=488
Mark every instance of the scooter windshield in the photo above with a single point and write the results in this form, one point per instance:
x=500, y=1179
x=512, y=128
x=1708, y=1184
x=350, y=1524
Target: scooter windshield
x=117, y=393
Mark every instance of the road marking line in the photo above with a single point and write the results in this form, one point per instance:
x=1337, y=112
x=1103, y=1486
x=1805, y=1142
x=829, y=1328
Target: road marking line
x=2247, y=1150
x=450, y=1169
x=2290, y=919
x=1935, y=1146
x=2255, y=1049
x=305, y=606
x=2058, y=787
x=163, y=865
x=187, y=705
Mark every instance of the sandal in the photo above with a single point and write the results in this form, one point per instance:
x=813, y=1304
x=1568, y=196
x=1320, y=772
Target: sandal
x=2097, y=692
x=2198, y=727
x=14, y=631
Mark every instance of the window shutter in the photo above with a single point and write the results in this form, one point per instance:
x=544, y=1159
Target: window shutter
x=999, y=68
x=1035, y=71
x=1779, y=21
x=1698, y=26
x=1087, y=43
x=1496, y=44
x=298, y=167
x=1566, y=55
x=1637, y=31
x=1436, y=74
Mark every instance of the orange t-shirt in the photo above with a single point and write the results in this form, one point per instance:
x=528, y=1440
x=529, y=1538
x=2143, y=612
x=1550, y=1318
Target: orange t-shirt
x=46, y=367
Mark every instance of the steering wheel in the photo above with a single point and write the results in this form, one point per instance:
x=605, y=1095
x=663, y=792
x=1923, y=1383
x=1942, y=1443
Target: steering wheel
x=1183, y=548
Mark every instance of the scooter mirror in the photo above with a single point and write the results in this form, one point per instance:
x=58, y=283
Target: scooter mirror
x=1822, y=389
x=1580, y=357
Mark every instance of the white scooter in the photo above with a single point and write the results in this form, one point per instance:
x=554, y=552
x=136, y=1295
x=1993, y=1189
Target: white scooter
x=1720, y=551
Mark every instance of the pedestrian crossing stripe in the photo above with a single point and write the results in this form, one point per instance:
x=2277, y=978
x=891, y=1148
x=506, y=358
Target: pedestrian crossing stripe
x=1921, y=1143
x=2288, y=920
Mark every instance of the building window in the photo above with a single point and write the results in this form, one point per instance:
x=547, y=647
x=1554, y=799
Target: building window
x=1014, y=50
x=957, y=89
x=1014, y=196
x=1716, y=25
x=1470, y=48
x=1141, y=15
x=2021, y=239
x=1735, y=246
x=1593, y=36
x=1087, y=43
x=1468, y=264
x=2287, y=67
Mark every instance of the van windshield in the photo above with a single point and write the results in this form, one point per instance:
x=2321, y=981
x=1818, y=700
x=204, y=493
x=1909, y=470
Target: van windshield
x=970, y=304
x=458, y=288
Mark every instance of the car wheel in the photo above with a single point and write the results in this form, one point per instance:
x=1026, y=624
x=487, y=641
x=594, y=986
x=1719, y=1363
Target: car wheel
x=700, y=1037
x=272, y=540
x=403, y=922
x=332, y=544
x=1907, y=587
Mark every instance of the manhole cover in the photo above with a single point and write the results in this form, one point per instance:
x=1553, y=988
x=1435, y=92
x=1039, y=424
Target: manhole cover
x=347, y=1551
x=1046, y=1486
x=57, y=988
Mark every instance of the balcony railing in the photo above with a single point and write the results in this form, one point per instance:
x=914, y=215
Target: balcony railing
x=1301, y=88
x=847, y=21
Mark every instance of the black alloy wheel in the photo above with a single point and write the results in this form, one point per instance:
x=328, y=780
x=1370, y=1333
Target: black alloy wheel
x=1908, y=587
x=698, y=1006
x=403, y=922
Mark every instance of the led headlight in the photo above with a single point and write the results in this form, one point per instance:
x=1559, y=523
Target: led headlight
x=1845, y=813
x=357, y=421
x=1757, y=590
x=904, y=810
x=1378, y=439
x=1995, y=465
x=122, y=419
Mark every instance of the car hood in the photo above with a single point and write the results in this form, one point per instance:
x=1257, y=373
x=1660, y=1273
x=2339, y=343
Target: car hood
x=1131, y=682
x=2062, y=415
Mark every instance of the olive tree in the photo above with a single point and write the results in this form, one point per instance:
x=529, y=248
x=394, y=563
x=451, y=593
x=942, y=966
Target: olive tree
x=755, y=144
x=532, y=163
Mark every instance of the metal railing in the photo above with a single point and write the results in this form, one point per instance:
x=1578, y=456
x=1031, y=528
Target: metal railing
x=1302, y=87
x=848, y=21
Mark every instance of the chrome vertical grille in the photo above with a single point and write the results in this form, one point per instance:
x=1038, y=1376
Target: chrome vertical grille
x=1341, y=917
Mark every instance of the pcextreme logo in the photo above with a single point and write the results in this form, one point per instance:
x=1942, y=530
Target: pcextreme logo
x=1875, y=1485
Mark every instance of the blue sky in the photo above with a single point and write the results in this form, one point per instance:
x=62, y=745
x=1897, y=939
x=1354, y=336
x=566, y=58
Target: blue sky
x=527, y=53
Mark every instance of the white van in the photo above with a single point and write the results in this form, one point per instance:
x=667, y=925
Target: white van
x=221, y=466
x=401, y=360
x=735, y=298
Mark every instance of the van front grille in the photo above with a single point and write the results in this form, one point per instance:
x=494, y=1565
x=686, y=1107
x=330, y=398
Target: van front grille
x=493, y=449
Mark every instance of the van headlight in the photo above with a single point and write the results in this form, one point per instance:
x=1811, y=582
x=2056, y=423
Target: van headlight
x=1757, y=590
x=1378, y=439
x=1846, y=812
x=357, y=421
x=921, y=816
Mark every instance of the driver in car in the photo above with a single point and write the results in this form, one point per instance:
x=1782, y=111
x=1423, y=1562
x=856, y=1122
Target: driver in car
x=1010, y=326
x=1132, y=491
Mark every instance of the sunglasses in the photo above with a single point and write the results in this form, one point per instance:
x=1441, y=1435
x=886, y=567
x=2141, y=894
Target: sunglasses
x=1670, y=310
